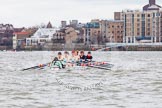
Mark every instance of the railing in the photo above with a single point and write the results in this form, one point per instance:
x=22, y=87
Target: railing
x=133, y=44
x=58, y=41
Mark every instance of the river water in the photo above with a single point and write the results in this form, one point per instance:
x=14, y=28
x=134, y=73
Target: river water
x=135, y=81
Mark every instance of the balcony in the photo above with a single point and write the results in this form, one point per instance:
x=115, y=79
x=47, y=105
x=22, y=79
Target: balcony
x=58, y=41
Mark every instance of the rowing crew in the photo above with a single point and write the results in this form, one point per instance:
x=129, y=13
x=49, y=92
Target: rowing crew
x=66, y=60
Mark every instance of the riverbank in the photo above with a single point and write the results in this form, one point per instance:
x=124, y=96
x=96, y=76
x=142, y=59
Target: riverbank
x=108, y=47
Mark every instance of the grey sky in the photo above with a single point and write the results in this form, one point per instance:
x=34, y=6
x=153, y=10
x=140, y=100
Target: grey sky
x=33, y=12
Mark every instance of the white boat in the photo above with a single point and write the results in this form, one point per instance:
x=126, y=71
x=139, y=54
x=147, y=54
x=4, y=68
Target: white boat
x=105, y=66
x=84, y=66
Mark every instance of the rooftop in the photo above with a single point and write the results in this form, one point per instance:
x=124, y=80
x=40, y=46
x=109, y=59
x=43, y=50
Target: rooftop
x=21, y=33
x=151, y=6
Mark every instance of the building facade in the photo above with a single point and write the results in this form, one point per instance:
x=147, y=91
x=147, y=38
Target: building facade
x=92, y=32
x=118, y=16
x=6, y=34
x=19, y=39
x=74, y=23
x=142, y=26
x=151, y=6
x=66, y=37
x=112, y=31
x=63, y=24
x=41, y=36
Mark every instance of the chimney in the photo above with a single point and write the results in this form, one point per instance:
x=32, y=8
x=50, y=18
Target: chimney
x=152, y=2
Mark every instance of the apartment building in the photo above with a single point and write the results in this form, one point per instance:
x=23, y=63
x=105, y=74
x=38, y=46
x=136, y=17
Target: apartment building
x=142, y=26
x=112, y=31
x=92, y=32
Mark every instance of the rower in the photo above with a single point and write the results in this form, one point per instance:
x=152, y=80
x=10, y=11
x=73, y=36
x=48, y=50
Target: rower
x=60, y=57
x=89, y=57
x=82, y=56
x=77, y=52
x=67, y=59
x=75, y=56
x=58, y=61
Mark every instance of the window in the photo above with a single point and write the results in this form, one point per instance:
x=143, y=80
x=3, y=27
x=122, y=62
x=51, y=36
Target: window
x=148, y=20
x=138, y=29
x=148, y=33
x=138, y=25
x=138, y=34
x=148, y=29
x=138, y=15
x=148, y=15
x=148, y=24
x=143, y=15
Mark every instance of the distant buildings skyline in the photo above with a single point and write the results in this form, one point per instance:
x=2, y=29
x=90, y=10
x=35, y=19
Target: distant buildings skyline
x=128, y=26
x=27, y=13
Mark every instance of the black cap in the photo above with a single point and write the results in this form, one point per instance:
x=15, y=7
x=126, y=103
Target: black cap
x=66, y=52
x=59, y=53
x=89, y=52
x=81, y=51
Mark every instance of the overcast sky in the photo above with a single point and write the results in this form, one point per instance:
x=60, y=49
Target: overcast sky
x=34, y=12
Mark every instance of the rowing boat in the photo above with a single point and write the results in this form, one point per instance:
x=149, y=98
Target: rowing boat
x=75, y=66
x=84, y=66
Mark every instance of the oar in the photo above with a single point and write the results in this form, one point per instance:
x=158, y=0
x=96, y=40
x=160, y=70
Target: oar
x=99, y=67
x=35, y=67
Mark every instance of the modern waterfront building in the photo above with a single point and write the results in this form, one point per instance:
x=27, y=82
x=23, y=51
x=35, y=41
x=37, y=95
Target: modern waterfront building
x=142, y=26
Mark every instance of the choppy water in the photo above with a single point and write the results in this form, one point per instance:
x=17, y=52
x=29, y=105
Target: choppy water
x=135, y=81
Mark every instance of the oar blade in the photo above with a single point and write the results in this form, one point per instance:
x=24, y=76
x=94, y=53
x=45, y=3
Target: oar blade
x=30, y=68
x=36, y=67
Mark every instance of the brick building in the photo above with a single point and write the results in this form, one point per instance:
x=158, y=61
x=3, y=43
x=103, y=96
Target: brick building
x=19, y=39
x=112, y=31
x=92, y=32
